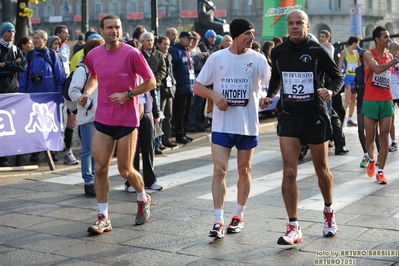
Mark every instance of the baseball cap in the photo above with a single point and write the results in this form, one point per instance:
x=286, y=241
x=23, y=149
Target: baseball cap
x=186, y=34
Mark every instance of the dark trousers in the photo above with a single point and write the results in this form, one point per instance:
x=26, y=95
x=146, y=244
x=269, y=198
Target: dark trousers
x=181, y=111
x=338, y=133
x=167, y=109
x=338, y=106
x=197, y=113
x=145, y=144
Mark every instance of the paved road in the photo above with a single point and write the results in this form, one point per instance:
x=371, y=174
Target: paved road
x=44, y=215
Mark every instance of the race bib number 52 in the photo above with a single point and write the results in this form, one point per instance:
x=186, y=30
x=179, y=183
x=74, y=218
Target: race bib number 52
x=298, y=86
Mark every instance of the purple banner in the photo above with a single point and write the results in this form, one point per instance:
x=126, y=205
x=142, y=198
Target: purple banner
x=31, y=123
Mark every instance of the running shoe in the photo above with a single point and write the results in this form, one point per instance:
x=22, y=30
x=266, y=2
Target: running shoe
x=101, y=225
x=381, y=178
x=70, y=159
x=236, y=225
x=370, y=168
x=393, y=146
x=364, y=162
x=128, y=187
x=155, y=186
x=143, y=211
x=292, y=236
x=330, y=226
x=350, y=123
x=217, y=231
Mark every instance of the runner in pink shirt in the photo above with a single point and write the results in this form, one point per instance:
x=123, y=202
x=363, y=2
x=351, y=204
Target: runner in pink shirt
x=118, y=70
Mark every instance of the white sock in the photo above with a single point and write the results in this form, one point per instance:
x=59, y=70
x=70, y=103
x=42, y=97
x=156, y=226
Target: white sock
x=349, y=119
x=380, y=170
x=239, y=211
x=329, y=209
x=294, y=223
x=142, y=196
x=219, y=216
x=103, y=209
x=393, y=141
x=366, y=154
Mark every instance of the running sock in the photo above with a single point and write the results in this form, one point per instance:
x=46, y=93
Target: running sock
x=366, y=154
x=380, y=170
x=142, y=196
x=219, y=216
x=328, y=207
x=239, y=211
x=103, y=209
x=68, y=137
x=294, y=223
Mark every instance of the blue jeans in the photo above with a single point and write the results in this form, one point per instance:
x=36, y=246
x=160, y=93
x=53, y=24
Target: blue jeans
x=86, y=160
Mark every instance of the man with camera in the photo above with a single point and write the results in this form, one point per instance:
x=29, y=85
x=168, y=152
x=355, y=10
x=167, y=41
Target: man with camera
x=44, y=72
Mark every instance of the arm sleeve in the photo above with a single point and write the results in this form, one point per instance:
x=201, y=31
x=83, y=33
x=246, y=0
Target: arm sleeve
x=77, y=83
x=16, y=66
x=59, y=74
x=332, y=71
x=161, y=73
x=22, y=79
x=275, y=80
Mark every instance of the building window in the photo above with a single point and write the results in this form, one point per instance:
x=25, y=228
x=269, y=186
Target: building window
x=132, y=6
x=389, y=5
x=172, y=8
x=370, y=4
x=78, y=8
x=236, y=7
x=114, y=7
x=97, y=7
x=49, y=9
x=249, y=8
x=147, y=9
x=35, y=10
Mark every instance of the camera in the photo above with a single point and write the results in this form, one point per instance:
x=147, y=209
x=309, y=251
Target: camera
x=36, y=78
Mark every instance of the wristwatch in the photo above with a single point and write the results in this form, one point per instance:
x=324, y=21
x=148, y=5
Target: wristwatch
x=130, y=94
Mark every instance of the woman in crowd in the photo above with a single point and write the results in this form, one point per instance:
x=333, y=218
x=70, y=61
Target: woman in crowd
x=85, y=117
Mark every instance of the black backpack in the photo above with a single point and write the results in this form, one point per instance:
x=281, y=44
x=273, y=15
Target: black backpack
x=65, y=90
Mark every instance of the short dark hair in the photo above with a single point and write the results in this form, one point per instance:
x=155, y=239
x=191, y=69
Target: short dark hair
x=110, y=16
x=59, y=29
x=326, y=32
x=353, y=39
x=23, y=40
x=277, y=40
x=161, y=38
x=255, y=45
x=377, y=32
x=138, y=30
x=89, y=45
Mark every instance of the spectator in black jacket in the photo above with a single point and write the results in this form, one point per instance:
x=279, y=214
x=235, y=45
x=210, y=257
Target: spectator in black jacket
x=156, y=61
x=168, y=90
